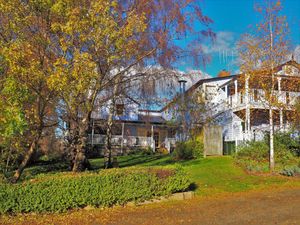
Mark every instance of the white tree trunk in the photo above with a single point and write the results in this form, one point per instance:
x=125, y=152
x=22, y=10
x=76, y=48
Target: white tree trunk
x=272, y=161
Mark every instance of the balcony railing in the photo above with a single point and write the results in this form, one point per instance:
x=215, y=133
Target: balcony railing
x=117, y=140
x=130, y=141
x=258, y=99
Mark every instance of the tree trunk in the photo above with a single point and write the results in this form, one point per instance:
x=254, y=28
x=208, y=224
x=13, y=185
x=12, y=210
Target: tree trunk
x=80, y=160
x=108, y=147
x=25, y=161
x=7, y=161
x=271, y=161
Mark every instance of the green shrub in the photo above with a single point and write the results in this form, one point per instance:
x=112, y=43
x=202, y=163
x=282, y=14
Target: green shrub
x=198, y=148
x=147, y=151
x=286, y=140
x=190, y=149
x=60, y=192
x=2, y=178
x=291, y=171
x=253, y=166
x=254, y=156
x=9, y=159
x=258, y=151
x=283, y=155
x=183, y=151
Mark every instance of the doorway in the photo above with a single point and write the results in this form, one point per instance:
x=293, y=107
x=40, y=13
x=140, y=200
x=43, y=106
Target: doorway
x=155, y=137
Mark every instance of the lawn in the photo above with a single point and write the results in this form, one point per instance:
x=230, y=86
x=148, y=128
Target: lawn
x=211, y=175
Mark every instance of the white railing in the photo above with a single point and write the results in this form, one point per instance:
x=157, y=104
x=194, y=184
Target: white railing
x=138, y=141
x=236, y=100
x=97, y=139
x=258, y=99
x=131, y=141
x=258, y=132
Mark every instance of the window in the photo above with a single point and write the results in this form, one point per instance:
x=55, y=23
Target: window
x=243, y=126
x=120, y=109
x=255, y=95
x=287, y=98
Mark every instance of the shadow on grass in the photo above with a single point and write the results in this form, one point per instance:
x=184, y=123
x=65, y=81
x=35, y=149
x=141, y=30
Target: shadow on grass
x=144, y=160
x=45, y=167
x=193, y=187
x=136, y=160
x=40, y=168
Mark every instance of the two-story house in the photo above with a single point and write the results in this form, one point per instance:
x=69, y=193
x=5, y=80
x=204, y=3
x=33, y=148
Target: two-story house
x=238, y=104
x=235, y=103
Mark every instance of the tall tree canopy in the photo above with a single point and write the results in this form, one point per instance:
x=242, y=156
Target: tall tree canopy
x=79, y=49
x=27, y=55
x=124, y=35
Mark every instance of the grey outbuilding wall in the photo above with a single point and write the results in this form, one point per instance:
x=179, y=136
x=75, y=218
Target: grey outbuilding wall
x=213, y=140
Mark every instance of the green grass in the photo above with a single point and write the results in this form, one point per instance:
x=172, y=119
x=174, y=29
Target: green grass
x=220, y=175
x=211, y=175
x=136, y=160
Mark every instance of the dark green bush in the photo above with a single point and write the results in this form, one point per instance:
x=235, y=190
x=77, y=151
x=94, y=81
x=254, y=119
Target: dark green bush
x=146, y=151
x=259, y=151
x=287, y=140
x=291, y=142
x=183, y=151
x=190, y=149
x=60, y=192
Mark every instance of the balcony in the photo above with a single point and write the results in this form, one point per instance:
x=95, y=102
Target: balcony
x=256, y=99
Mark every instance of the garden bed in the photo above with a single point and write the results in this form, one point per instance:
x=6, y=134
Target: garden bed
x=64, y=191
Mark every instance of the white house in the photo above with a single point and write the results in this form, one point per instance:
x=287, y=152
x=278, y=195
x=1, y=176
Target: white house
x=238, y=105
x=233, y=102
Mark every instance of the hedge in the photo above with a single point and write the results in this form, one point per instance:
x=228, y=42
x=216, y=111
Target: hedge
x=60, y=192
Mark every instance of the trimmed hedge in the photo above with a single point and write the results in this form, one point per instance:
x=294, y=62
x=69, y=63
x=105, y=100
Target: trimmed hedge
x=60, y=192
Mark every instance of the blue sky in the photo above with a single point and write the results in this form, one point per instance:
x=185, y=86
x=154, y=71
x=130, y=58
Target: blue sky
x=233, y=18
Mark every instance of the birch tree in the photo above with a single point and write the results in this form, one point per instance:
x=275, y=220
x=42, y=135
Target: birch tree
x=260, y=53
x=118, y=35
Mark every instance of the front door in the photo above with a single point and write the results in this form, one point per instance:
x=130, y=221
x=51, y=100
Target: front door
x=155, y=137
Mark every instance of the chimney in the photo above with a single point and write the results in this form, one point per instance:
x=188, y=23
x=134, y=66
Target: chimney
x=182, y=111
x=182, y=86
x=293, y=57
x=223, y=73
